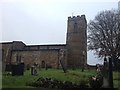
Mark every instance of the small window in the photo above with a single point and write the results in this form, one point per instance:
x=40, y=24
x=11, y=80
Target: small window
x=75, y=26
x=18, y=59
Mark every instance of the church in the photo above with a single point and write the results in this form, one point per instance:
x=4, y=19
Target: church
x=71, y=54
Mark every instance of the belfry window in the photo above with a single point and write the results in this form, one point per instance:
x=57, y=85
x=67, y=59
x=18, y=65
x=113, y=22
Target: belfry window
x=75, y=26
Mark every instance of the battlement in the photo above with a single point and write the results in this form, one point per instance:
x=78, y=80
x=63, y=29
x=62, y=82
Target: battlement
x=78, y=17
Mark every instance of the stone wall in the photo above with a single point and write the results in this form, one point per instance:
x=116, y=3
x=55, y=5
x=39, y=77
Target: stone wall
x=49, y=57
x=16, y=52
x=7, y=49
x=18, y=45
x=6, y=52
x=39, y=47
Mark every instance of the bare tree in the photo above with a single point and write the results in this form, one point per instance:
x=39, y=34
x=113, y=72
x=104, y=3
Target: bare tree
x=104, y=34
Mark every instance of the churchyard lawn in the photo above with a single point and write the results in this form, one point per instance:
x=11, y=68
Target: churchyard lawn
x=75, y=76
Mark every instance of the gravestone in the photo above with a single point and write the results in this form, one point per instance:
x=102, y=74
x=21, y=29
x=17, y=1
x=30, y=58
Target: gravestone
x=18, y=69
x=46, y=67
x=28, y=66
x=105, y=73
x=98, y=68
x=8, y=67
x=33, y=70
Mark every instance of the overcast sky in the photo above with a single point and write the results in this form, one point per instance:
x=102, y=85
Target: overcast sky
x=45, y=21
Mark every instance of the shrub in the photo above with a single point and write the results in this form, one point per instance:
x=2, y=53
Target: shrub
x=96, y=81
x=52, y=83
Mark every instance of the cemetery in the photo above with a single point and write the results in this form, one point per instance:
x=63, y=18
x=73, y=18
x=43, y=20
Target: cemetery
x=56, y=78
x=64, y=66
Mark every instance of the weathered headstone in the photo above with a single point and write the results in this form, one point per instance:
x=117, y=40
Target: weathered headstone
x=98, y=69
x=46, y=67
x=105, y=73
x=28, y=66
x=33, y=70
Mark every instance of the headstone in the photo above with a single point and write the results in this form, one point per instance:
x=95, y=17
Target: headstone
x=105, y=82
x=18, y=69
x=98, y=69
x=8, y=67
x=33, y=70
x=105, y=73
x=28, y=66
x=46, y=67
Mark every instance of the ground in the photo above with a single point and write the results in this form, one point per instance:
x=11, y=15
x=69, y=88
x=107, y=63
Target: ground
x=75, y=76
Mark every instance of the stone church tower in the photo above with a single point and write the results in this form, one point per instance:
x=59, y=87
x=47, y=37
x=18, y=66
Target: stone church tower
x=76, y=42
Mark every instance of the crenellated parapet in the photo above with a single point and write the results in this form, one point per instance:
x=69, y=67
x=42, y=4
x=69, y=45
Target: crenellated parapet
x=78, y=17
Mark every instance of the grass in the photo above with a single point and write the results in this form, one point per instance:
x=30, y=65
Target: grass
x=72, y=75
x=116, y=79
